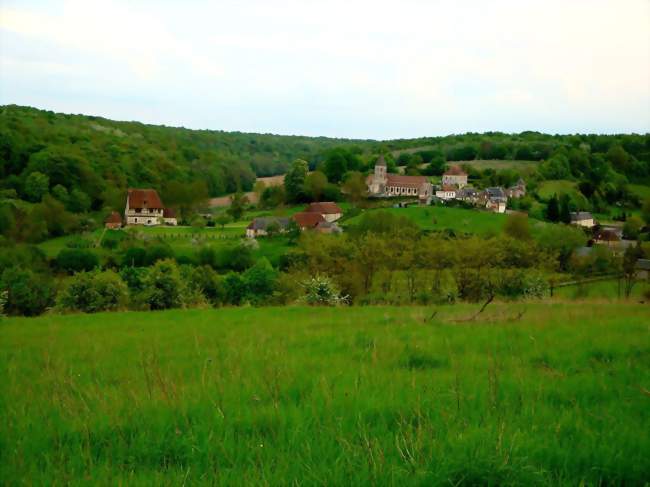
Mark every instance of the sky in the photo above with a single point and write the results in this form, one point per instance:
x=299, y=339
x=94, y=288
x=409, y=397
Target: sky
x=341, y=68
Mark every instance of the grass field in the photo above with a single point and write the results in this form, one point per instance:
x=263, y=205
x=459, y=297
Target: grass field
x=497, y=164
x=347, y=396
x=606, y=289
x=457, y=219
x=641, y=190
x=558, y=186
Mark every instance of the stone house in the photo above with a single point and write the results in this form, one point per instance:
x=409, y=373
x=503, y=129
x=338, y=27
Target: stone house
x=169, y=217
x=518, y=190
x=143, y=207
x=307, y=220
x=384, y=185
x=454, y=176
x=582, y=219
x=259, y=226
x=446, y=192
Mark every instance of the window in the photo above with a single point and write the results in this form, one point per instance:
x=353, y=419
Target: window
x=135, y=220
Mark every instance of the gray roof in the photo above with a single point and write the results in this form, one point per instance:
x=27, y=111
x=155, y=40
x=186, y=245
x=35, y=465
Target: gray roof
x=263, y=222
x=495, y=192
x=581, y=215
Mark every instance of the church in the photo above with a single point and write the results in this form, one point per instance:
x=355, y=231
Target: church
x=381, y=184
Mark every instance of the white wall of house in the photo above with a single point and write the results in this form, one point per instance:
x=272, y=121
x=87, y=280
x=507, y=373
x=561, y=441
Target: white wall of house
x=446, y=195
x=459, y=180
x=584, y=223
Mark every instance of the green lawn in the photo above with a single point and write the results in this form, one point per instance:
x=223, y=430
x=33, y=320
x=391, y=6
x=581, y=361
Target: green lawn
x=322, y=396
x=497, y=164
x=607, y=289
x=441, y=218
x=641, y=190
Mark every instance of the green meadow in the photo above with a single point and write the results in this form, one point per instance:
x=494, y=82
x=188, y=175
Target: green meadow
x=525, y=394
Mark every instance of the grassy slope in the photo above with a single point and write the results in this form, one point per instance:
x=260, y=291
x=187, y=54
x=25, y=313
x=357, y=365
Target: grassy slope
x=353, y=396
x=457, y=219
x=558, y=186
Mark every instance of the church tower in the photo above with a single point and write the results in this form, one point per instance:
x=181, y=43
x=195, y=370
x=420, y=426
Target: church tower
x=380, y=171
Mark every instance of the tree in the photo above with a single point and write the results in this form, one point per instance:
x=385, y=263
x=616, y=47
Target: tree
x=37, y=185
x=355, y=188
x=163, y=287
x=553, y=209
x=632, y=227
x=238, y=202
x=294, y=181
x=645, y=211
x=315, y=184
x=76, y=260
x=28, y=293
x=78, y=202
x=260, y=281
x=335, y=166
x=565, y=209
x=92, y=292
x=222, y=219
x=630, y=257
x=516, y=226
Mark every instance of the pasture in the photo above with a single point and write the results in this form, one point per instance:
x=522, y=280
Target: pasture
x=328, y=396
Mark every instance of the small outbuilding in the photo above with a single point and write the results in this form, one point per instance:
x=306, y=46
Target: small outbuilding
x=113, y=221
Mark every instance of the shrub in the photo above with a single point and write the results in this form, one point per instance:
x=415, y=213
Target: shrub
x=260, y=281
x=91, y=292
x=133, y=277
x=76, y=260
x=135, y=257
x=235, y=288
x=159, y=251
x=163, y=286
x=28, y=293
x=321, y=291
x=207, y=282
x=235, y=257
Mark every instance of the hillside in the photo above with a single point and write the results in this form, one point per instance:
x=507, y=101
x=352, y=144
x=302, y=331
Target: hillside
x=278, y=396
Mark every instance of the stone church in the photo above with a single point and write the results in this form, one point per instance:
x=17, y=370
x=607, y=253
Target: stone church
x=382, y=184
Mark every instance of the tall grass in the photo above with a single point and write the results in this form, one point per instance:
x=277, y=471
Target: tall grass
x=346, y=396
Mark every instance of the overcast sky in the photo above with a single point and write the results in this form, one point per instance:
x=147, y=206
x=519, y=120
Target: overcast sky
x=367, y=69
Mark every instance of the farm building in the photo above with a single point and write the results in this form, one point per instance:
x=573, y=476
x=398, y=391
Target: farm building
x=169, y=217
x=446, y=193
x=307, y=220
x=113, y=221
x=454, y=176
x=260, y=227
x=330, y=210
x=582, y=219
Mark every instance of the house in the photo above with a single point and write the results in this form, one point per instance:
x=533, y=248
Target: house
x=582, y=219
x=169, y=217
x=518, y=190
x=307, y=220
x=259, y=227
x=454, y=176
x=330, y=210
x=446, y=192
x=467, y=194
x=494, y=199
x=143, y=207
x=384, y=185
x=113, y=221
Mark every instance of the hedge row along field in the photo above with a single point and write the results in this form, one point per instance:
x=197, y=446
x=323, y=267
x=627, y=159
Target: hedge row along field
x=344, y=396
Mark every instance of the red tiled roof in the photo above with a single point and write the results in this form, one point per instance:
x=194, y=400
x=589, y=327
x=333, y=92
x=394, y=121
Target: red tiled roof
x=447, y=187
x=324, y=208
x=306, y=219
x=407, y=181
x=169, y=213
x=144, y=198
x=114, y=217
x=455, y=171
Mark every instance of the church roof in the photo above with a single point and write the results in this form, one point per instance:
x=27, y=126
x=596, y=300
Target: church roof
x=455, y=171
x=408, y=181
x=381, y=161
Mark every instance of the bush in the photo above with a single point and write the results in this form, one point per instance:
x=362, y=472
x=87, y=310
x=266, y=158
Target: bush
x=260, y=281
x=321, y=291
x=28, y=293
x=235, y=288
x=163, y=286
x=76, y=260
x=235, y=257
x=159, y=251
x=135, y=257
x=91, y=292
x=207, y=282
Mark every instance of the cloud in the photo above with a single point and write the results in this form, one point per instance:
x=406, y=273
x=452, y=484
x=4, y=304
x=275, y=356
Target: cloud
x=336, y=67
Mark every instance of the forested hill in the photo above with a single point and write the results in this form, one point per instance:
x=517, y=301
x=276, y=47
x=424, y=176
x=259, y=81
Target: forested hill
x=88, y=162
x=98, y=155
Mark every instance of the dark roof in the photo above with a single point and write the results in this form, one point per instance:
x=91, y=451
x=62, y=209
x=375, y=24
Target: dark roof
x=114, y=217
x=262, y=223
x=306, y=219
x=169, y=213
x=324, y=208
x=144, y=198
x=455, y=171
x=380, y=160
x=408, y=181
x=581, y=215
x=495, y=192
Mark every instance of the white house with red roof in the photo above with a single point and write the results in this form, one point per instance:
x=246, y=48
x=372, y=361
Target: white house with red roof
x=143, y=207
